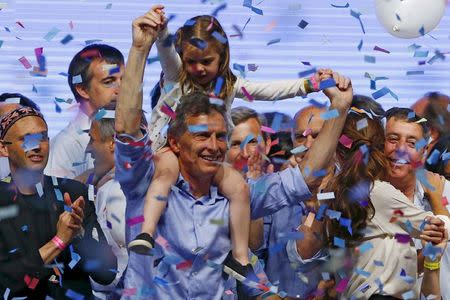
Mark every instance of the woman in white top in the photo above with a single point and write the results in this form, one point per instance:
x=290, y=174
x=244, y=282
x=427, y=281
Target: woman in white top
x=382, y=221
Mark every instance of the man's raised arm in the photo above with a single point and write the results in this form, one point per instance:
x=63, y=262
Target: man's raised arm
x=324, y=147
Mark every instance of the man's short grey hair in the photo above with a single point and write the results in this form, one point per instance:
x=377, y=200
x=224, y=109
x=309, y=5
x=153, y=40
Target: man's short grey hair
x=107, y=129
x=241, y=114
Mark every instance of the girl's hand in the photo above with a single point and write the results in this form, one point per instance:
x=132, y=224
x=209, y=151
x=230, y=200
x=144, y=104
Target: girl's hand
x=433, y=231
x=145, y=28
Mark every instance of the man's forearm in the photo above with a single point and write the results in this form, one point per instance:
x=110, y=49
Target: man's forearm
x=49, y=252
x=324, y=147
x=129, y=106
x=430, y=283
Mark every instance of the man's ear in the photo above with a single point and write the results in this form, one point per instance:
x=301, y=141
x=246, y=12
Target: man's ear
x=3, y=149
x=173, y=144
x=82, y=91
x=111, y=145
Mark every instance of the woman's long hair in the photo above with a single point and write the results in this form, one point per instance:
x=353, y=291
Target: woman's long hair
x=360, y=165
x=203, y=28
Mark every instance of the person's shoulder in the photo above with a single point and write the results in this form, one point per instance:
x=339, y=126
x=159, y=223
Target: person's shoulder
x=72, y=186
x=6, y=192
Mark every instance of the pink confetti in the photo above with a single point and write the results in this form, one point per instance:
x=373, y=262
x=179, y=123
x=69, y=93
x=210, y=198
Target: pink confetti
x=135, y=220
x=229, y=292
x=247, y=95
x=444, y=201
x=342, y=285
x=168, y=111
x=210, y=25
x=267, y=129
x=307, y=132
x=20, y=24
x=38, y=52
x=345, y=141
x=162, y=242
x=24, y=61
x=129, y=292
x=376, y=48
x=271, y=26
x=71, y=25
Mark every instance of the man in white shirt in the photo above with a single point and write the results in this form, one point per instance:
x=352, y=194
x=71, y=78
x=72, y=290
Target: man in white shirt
x=110, y=202
x=405, y=148
x=10, y=102
x=94, y=77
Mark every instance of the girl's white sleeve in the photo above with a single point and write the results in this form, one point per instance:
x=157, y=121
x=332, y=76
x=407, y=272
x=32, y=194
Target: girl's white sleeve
x=270, y=90
x=169, y=58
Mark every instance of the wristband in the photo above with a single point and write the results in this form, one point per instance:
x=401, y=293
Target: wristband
x=58, y=243
x=315, y=83
x=432, y=265
x=307, y=84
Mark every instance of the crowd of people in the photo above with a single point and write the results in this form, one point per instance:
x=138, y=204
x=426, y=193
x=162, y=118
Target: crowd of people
x=206, y=201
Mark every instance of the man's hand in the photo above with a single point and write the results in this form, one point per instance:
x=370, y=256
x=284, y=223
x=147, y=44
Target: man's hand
x=433, y=231
x=435, y=196
x=145, y=28
x=70, y=223
x=256, y=166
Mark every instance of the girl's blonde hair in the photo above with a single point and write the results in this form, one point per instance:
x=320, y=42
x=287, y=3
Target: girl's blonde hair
x=203, y=27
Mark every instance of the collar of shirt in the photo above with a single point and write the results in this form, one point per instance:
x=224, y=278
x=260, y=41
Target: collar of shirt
x=183, y=187
x=419, y=197
x=82, y=121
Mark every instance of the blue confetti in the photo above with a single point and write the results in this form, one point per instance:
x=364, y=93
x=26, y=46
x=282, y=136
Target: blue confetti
x=100, y=114
x=332, y=214
x=360, y=45
x=324, y=84
x=74, y=295
x=357, y=15
x=362, y=272
x=320, y=212
x=303, y=24
x=216, y=11
x=421, y=53
x=378, y=263
x=114, y=70
x=219, y=37
x=341, y=6
x=307, y=72
x=330, y=114
x=422, y=31
x=369, y=59
x=274, y=41
x=339, y=242
x=33, y=141
x=219, y=84
x=198, y=43
x=51, y=34
x=66, y=39
x=189, y=22
x=434, y=157
x=365, y=247
x=257, y=11
x=198, y=128
x=240, y=69
x=247, y=139
x=408, y=73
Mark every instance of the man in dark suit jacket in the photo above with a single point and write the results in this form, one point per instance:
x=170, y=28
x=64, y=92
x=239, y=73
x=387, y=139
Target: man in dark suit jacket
x=48, y=245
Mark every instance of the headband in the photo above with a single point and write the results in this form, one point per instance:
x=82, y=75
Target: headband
x=8, y=120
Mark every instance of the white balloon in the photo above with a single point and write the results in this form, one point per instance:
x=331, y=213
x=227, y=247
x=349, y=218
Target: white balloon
x=405, y=18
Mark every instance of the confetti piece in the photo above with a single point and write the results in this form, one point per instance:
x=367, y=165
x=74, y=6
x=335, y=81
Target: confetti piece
x=74, y=295
x=257, y=10
x=216, y=101
x=165, y=108
x=198, y=128
x=327, y=83
x=240, y=68
x=299, y=149
x=247, y=139
x=306, y=73
x=402, y=238
x=421, y=53
x=9, y=211
x=309, y=219
x=219, y=37
x=422, y=31
x=252, y=67
x=342, y=285
x=75, y=259
x=24, y=61
x=219, y=84
x=108, y=6
x=330, y=114
x=57, y=107
x=415, y=73
x=380, y=93
x=238, y=30
x=39, y=189
x=376, y=48
x=271, y=26
x=198, y=43
x=184, y=265
x=325, y=196
x=333, y=214
x=274, y=41
x=100, y=114
x=408, y=295
x=32, y=141
x=51, y=34
x=362, y=272
x=1, y=43
x=345, y=141
x=321, y=211
x=357, y=15
x=267, y=129
x=369, y=59
x=66, y=39
x=151, y=60
x=365, y=247
x=361, y=124
x=247, y=95
x=135, y=220
x=77, y=79
x=303, y=24
x=71, y=25
x=340, y=6
x=31, y=282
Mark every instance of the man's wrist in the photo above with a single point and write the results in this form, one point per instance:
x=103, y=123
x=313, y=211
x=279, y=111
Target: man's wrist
x=432, y=264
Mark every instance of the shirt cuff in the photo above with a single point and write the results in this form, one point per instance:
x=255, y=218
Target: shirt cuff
x=294, y=185
x=295, y=258
x=132, y=147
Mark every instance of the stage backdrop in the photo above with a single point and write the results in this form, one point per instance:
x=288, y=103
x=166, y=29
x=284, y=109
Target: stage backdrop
x=281, y=37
